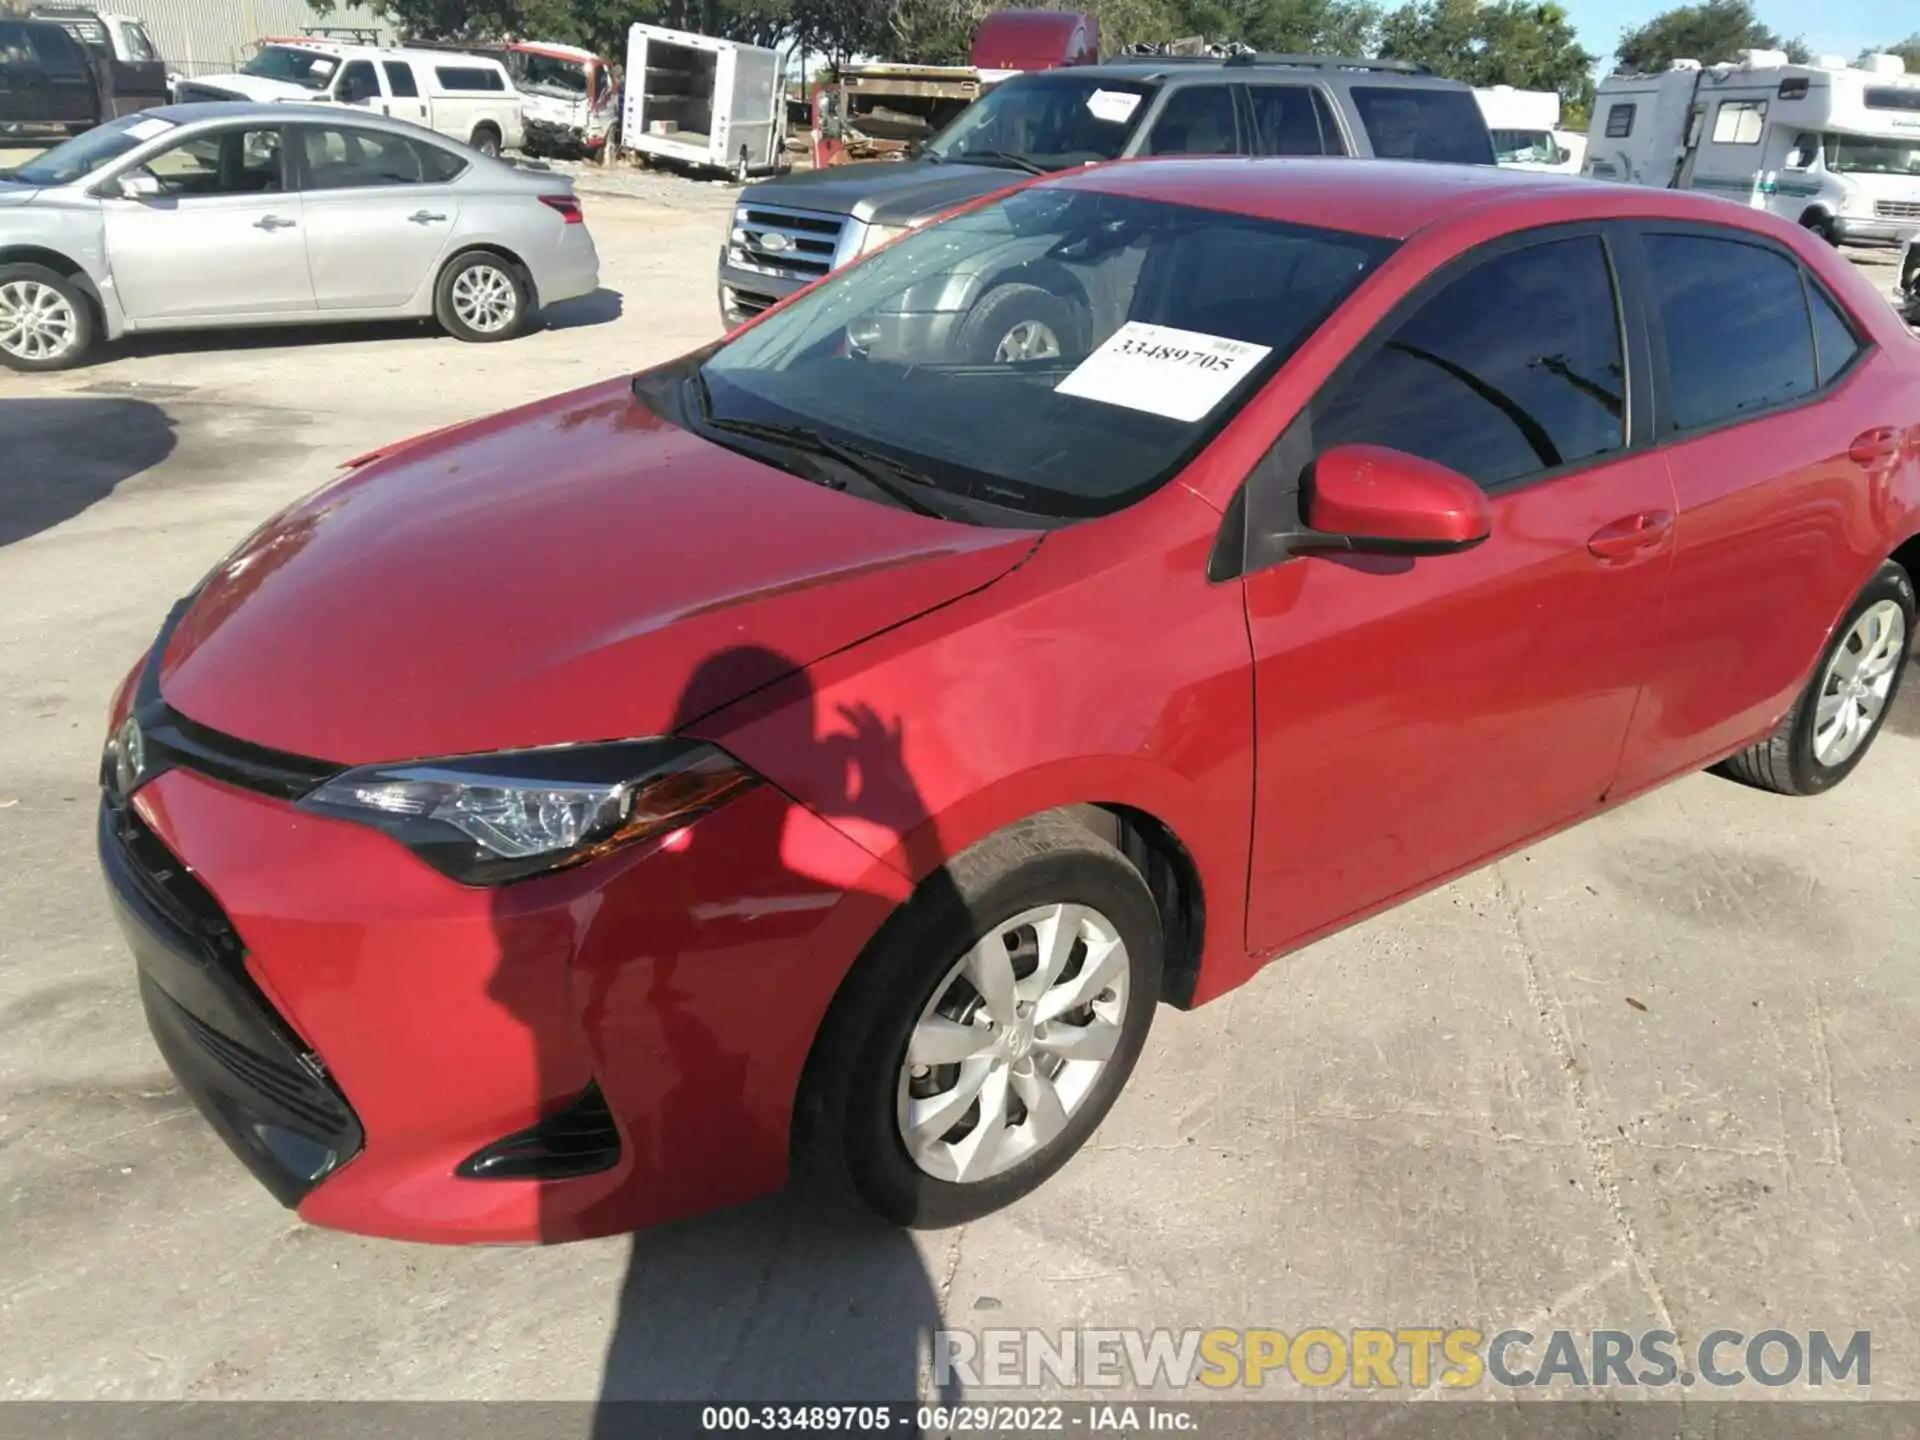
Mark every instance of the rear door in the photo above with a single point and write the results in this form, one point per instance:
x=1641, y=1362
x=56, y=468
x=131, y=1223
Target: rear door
x=1430, y=713
x=66, y=78
x=403, y=100
x=223, y=237
x=380, y=212
x=753, y=106
x=1766, y=388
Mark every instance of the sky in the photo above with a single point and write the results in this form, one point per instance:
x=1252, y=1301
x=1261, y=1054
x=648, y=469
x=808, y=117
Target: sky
x=1839, y=27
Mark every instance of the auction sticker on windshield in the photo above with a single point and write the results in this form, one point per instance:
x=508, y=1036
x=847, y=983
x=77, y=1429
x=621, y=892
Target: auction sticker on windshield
x=1116, y=107
x=1181, y=374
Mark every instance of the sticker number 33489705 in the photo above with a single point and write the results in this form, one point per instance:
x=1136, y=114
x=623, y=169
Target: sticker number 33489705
x=1181, y=374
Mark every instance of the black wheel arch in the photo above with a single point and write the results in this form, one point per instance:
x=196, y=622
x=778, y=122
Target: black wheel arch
x=63, y=266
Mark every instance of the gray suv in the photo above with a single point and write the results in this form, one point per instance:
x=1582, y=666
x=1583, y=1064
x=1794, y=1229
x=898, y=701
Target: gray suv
x=790, y=231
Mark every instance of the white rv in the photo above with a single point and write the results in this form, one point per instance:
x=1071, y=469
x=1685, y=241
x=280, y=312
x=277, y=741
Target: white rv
x=1525, y=129
x=704, y=102
x=1834, y=147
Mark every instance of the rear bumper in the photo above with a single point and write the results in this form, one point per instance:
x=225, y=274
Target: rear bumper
x=570, y=270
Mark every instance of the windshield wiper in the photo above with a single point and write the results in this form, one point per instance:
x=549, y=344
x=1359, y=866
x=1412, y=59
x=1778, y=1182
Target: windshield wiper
x=1006, y=157
x=881, y=471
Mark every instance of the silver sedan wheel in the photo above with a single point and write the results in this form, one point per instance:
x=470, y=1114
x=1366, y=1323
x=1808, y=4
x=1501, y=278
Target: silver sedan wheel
x=1854, y=691
x=1012, y=1042
x=37, y=322
x=485, y=299
x=1029, y=340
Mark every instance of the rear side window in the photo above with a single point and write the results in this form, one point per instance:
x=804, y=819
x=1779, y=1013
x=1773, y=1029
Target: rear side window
x=437, y=166
x=338, y=157
x=1197, y=120
x=400, y=79
x=1293, y=120
x=468, y=77
x=1407, y=123
x=1619, y=121
x=1512, y=369
x=1835, y=343
x=1737, y=332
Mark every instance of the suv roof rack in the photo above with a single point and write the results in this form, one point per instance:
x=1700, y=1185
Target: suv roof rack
x=1331, y=62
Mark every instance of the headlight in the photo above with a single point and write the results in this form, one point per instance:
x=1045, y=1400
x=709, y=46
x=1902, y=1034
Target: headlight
x=490, y=819
x=878, y=235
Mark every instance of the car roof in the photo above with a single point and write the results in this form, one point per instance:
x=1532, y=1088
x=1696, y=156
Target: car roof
x=283, y=112
x=1392, y=199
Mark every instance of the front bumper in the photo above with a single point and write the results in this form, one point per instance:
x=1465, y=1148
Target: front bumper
x=744, y=293
x=1870, y=230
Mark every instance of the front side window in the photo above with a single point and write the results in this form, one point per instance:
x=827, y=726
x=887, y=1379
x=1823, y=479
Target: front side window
x=226, y=162
x=1735, y=317
x=1408, y=122
x=1739, y=122
x=1097, y=340
x=139, y=43
x=1196, y=120
x=308, y=69
x=551, y=75
x=358, y=84
x=58, y=52
x=1053, y=120
x=339, y=157
x=1513, y=369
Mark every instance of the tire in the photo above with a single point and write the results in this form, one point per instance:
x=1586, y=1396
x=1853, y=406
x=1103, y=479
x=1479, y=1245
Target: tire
x=1821, y=225
x=486, y=140
x=1790, y=761
x=858, y=1095
x=998, y=317
x=482, y=298
x=46, y=322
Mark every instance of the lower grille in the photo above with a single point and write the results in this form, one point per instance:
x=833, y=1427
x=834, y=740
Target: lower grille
x=1897, y=209
x=295, y=1089
x=793, y=244
x=748, y=303
x=580, y=1140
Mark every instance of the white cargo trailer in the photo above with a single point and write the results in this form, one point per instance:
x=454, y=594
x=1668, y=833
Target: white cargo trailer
x=703, y=102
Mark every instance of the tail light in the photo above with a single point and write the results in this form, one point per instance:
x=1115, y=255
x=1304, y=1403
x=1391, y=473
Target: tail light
x=567, y=205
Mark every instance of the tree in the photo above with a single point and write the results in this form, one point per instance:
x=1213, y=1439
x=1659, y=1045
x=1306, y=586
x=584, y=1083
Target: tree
x=1907, y=49
x=1528, y=44
x=599, y=25
x=1711, y=32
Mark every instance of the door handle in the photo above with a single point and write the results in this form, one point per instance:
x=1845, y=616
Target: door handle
x=1872, y=449
x=272, y=222
x=425, y=217
x=1631, y=536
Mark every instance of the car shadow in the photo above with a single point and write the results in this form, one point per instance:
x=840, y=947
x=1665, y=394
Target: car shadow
x=264, y=337
x=602, y=307
x=60, y=456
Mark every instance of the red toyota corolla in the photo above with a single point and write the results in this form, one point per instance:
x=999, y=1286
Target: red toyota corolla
x=824, y=753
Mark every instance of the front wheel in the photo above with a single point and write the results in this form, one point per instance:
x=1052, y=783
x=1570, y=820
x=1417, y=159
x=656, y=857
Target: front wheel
x=987, y=1032
x=1840, y=713
x=45, y=322
x=1019, y=322
x=482, y=298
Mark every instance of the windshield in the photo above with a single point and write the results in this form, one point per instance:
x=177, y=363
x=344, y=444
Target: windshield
x=84, y=154
x=1059, y=351
x=1055, y=121
x=1525, y=147
x=306, y=68
x=1859, y=155
x=550, y=75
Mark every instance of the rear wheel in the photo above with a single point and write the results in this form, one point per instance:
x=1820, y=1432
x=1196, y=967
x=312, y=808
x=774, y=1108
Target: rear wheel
x=482, y=298
x=45, y=322
x=1839, y=715
x=984, y=1036
x=486, y=140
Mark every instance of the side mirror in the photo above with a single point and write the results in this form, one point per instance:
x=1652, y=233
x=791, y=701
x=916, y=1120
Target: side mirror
x=138, y=187
x=1372, y=500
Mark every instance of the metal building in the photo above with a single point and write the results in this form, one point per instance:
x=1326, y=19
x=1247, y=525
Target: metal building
x=203, y=37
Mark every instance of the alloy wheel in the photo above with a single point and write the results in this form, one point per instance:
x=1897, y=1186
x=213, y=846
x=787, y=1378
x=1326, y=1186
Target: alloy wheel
x=1029, y=340
x=37, y=322
x=1012, y=1042
x=485, y=299
x=1859, y=678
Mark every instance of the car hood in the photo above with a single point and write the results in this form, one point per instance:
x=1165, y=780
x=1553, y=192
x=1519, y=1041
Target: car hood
x=13, y=192
x=884, y=192
x=256, y=87
x=575, y=570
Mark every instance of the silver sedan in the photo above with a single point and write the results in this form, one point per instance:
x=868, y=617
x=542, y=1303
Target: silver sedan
x=192, y=216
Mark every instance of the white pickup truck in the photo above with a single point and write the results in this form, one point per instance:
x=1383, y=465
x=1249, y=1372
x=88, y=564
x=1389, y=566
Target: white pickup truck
x=464, y=97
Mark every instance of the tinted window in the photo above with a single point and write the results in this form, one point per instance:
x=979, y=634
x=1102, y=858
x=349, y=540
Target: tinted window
x=1736, y=327
x=1292, y=120
x=56, y=50
x=1739, y=122
x=1512, y=369
x=400, y=78
x=358, y=82
x=340, y=158
x=437, y=166
x=1833, y=335
x=1197, y=120
x=1885, y=97
x=1409, y=123
x=228, y=162
x=139, y=44
x=469, y=77
x=1619, y=122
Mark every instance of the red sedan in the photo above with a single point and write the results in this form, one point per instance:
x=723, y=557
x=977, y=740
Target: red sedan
x=825, y=752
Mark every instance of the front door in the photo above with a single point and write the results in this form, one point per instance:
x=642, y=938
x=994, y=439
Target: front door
x=221, y=238
x=1433, y=712
x=379, y=214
